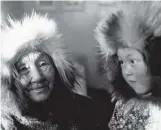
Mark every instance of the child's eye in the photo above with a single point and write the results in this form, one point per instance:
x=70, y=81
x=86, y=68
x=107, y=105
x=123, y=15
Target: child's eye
x=132, y=61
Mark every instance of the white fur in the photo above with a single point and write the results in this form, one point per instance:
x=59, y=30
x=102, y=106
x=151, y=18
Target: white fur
x=155, y=118
x=133, y=13
x=21, y=32
x=32, y=31
x=35, y=31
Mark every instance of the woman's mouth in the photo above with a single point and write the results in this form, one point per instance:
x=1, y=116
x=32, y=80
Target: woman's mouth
x=37, y=87
x=38, y=90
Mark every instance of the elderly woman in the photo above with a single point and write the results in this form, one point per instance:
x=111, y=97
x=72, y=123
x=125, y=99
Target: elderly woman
x=129, y=43
x=38, y=83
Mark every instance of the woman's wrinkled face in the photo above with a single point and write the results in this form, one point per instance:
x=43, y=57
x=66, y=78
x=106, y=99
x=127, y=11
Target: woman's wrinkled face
x=35, y=76
x=134, y=69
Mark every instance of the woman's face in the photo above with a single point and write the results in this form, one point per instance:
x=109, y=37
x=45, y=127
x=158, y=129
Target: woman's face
x=134, y=70
x=35, y=76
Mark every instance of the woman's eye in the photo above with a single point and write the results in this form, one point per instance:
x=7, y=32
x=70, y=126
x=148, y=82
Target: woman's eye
x=44, y=65
x=23, y=70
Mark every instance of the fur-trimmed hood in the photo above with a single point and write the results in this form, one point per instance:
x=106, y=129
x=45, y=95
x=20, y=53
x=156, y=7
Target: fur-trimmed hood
x=131, y=24
x=35, y=32
x=32, y=33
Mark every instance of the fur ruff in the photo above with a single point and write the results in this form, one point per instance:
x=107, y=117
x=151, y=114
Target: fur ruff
x=31, y=33
x=130, y=25
x=35, y=32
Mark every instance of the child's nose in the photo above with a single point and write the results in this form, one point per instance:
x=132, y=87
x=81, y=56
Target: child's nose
x=128, y=70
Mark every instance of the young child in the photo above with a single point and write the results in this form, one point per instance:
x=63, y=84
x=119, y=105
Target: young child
x=129, y=42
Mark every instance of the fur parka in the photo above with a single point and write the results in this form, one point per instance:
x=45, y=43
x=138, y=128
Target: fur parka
x=33, y=32
x=133, y=25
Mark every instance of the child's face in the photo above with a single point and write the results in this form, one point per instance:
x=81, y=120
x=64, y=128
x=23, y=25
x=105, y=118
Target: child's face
x=134, y=69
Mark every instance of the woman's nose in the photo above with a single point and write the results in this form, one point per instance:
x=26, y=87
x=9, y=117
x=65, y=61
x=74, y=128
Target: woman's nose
x=36, y=75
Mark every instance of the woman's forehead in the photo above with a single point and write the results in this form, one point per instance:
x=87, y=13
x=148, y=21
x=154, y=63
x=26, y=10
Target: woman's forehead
x=32, y=57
